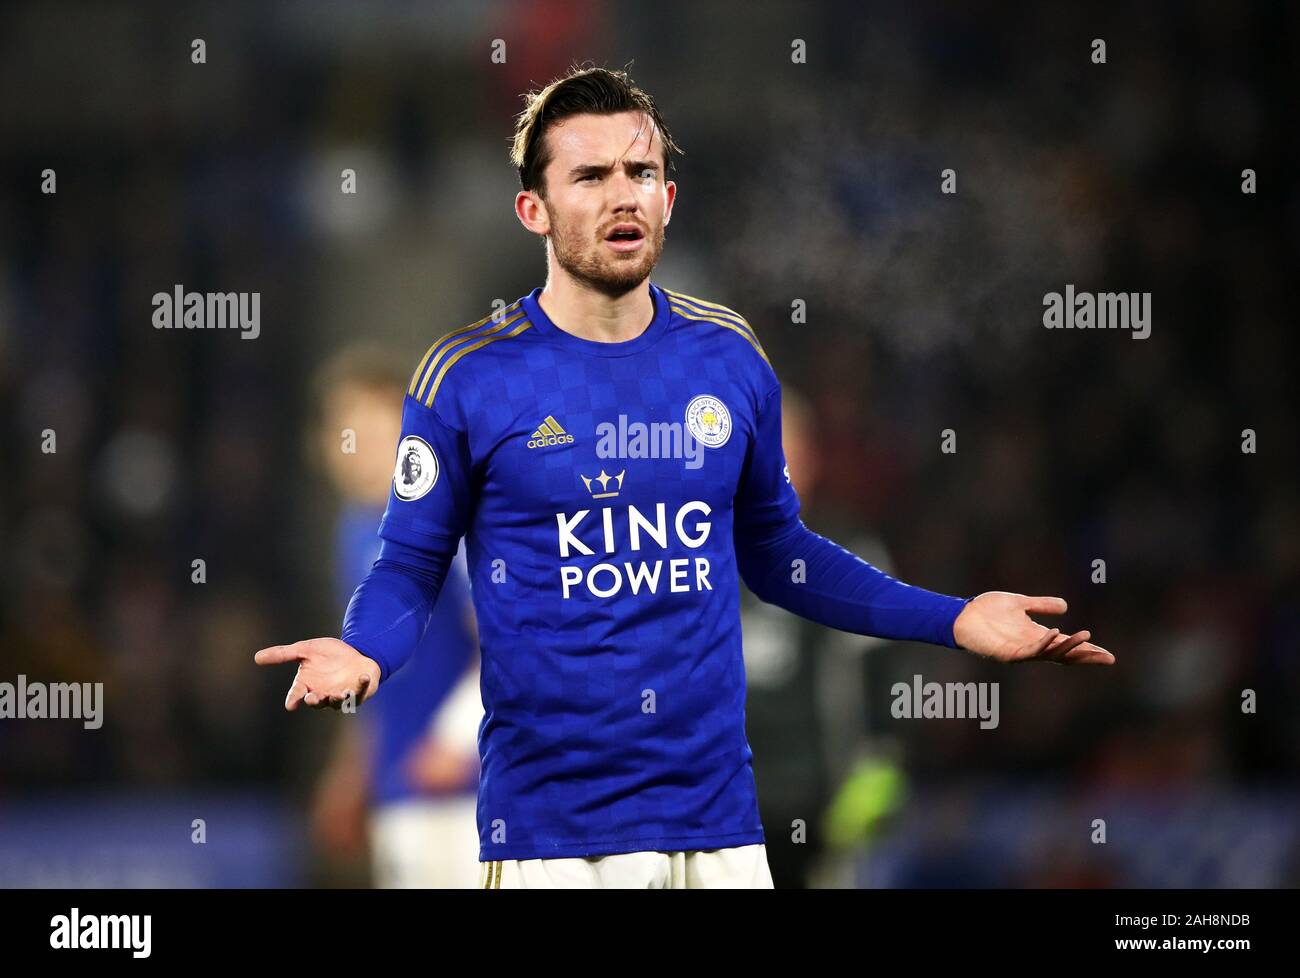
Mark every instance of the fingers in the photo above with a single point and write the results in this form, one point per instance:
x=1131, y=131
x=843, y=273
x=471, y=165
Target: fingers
x=1088, y=654
x=1036, y=648
x=1046, y=605
x=1060, y=640
x=320, y=701
x=1090, y=659
x=1058, y=651
x=357, y=693
x=297, y=692
x=1089, y=647
x=1084, y=653
x=302, y=695
x=1051, y=646
x=277, y=654
x=336, y=700
x=1076, y=650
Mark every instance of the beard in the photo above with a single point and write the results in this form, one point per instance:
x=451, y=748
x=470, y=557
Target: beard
x=588, y=261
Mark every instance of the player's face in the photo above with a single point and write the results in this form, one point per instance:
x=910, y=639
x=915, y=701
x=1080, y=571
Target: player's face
x=607, y=173
x=364, y=469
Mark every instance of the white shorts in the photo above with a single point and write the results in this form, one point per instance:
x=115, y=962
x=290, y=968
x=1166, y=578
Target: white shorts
x=425, y=844
x=739, y=868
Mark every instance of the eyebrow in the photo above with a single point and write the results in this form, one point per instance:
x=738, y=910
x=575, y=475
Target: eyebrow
x=603, y=168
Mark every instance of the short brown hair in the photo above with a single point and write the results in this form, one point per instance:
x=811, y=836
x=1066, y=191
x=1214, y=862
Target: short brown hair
x=583, y=90
x=370, y=367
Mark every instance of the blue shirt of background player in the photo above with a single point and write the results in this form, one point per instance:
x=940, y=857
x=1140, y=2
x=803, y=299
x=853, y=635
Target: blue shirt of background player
x=398, y=716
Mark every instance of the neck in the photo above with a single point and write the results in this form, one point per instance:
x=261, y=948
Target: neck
x=591, y=315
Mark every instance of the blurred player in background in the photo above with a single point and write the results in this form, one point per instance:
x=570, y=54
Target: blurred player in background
x=404, y=770
x=781, y=712
x=805, y=714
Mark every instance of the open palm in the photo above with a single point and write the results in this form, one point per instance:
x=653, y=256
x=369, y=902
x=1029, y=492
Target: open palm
x=996, y=625
x=328, y=671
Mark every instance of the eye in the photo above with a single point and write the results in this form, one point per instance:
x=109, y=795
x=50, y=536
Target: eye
x=589, y=176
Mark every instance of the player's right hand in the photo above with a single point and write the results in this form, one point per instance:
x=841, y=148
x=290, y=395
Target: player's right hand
x=328, y=671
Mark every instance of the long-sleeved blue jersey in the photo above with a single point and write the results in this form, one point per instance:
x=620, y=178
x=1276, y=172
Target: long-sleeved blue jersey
x=611, y=495
x=399, y=718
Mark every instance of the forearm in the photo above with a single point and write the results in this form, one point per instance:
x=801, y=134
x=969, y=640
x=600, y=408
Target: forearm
x=839, y=589
x=390, y=609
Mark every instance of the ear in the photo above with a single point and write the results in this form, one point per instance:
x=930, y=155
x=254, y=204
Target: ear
x=670, y=188
x=532, y=213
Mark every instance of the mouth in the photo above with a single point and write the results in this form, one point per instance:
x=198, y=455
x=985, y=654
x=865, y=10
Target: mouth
x=625, y=237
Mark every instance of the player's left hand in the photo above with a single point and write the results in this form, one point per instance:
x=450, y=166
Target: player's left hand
x=996, y=625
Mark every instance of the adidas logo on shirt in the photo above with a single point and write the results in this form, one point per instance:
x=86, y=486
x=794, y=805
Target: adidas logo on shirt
x=549, y=433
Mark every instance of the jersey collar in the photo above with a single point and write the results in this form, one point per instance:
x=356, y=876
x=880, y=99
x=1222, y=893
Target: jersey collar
x=542, y=323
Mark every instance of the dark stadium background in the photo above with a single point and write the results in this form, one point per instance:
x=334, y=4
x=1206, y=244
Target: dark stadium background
x=816, y=181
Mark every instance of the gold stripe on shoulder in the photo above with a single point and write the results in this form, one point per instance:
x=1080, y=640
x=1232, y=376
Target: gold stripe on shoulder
x=468, y=338
x=725, y=323
x=711, y=308
x=420, y=370
x=415, y=377
x=437, y=381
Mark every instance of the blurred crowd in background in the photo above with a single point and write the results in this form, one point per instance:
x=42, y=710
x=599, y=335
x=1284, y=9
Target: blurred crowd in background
x=816, y=182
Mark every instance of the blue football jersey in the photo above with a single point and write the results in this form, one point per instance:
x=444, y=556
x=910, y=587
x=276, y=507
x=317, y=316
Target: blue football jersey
x=611, y=496
x=597, y=485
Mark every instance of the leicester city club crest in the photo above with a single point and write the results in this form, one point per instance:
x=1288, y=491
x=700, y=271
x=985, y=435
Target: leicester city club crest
x=708, y=420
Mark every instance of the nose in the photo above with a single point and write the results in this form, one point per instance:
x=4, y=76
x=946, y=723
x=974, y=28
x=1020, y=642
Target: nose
x=624, y=192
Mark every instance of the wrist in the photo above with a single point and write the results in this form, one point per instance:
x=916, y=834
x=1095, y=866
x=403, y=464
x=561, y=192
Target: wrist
x=960, y=610
x=373, y=670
